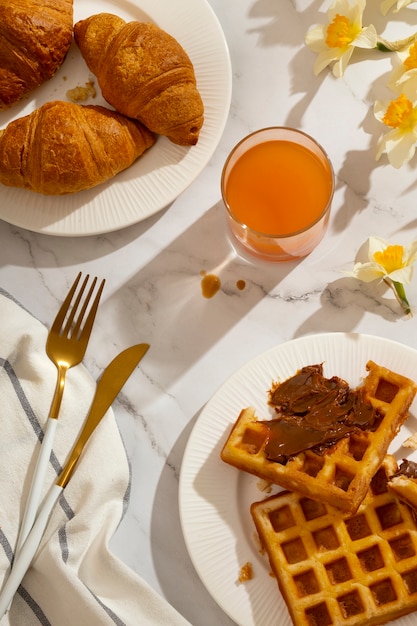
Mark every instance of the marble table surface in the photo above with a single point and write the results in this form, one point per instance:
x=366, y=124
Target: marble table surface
x=154, y=272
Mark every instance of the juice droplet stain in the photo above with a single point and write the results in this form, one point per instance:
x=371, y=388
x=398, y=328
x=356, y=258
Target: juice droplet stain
x=240, y=284
x=210, y=284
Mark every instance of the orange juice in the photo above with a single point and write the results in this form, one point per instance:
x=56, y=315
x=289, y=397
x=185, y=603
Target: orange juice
x=278, y=187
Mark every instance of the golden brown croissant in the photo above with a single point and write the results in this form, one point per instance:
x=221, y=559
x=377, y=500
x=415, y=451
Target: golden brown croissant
x=144, y=73
x=35, y=36
x=64, y=147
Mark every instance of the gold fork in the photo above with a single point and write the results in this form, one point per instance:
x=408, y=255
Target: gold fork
x=65, y=346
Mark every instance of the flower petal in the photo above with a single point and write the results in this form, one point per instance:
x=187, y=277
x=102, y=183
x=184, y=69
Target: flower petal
x=386, y=5
x=380, y=108
x=345, y=7
x=376, y=244
x=342, y=63
x=406, y=82
x=367, y=38
x=410, y=252
x=400, y=147
x=403, y=275
x=325, y=58
x=366, y=272
x=316, y=38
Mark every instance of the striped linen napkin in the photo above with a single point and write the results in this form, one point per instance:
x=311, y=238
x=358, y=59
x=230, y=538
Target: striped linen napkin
x=74, y=579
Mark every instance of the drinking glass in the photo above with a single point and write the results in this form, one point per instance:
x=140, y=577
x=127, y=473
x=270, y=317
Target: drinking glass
x=277, y=186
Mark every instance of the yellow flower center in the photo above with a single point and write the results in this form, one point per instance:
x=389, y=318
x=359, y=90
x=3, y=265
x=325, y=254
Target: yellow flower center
x=400, y=114
x=391, y=258
x=341, y=32
x=411, y=61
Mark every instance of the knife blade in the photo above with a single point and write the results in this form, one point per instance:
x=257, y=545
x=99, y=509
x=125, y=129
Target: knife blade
x=108, y=387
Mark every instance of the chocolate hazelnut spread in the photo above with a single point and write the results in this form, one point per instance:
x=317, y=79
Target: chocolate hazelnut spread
x=314, y=412
x=408, y=469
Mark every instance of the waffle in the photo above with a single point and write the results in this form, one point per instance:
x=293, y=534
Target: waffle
x=342, y=473
x=335, y=569
x=404, y=484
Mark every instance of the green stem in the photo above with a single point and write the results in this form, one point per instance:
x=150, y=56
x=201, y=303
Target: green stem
x=399, y=291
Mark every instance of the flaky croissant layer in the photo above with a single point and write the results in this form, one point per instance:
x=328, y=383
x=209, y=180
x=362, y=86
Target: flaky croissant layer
x=143, y=72
x=63, y=148
x=35, y=36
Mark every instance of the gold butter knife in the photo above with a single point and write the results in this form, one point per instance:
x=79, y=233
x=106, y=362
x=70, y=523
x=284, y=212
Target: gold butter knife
x=108, y=387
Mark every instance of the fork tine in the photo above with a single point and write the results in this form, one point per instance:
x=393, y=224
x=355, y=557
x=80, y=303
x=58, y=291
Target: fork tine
x=66, y=330
x=86, y=330
x=60, y=316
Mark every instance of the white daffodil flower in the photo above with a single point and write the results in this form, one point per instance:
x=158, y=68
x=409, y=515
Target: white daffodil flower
x=400, y=115
x=336, y=41
x=406, y=73
x=392, y=263
x=386, y=5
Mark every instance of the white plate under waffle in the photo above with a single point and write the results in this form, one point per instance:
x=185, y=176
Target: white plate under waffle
x=215, y=498
x=166, y=170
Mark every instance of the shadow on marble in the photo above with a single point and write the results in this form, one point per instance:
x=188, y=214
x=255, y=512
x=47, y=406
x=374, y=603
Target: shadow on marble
x=171, y=556
x=68, y=250
x=345, y=302
x=233, y=509
x=166, y=304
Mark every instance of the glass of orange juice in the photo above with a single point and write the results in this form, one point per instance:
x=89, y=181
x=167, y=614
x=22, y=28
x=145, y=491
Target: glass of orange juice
x=277, y=185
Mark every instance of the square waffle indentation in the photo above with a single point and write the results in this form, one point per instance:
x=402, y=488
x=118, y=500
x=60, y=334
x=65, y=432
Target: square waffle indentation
x=402, y=547
x=386, y=390
x=281, y=519
x=312, y=509
x=319, y=615
x=389, y=515
x=342, y=478
x=350, y=604
x=338, y=571
x=326, y=538
x=358, y=527
x=379, y=482
x=294, y=550
x=307, y=583
x=358, y=446
x=253, y=440
x=410, y=581
x=383, y=592
x=371, y=559
x=312, y=464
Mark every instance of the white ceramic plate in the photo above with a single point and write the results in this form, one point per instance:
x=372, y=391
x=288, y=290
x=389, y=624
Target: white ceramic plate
x=215, y=498
x=166, y=170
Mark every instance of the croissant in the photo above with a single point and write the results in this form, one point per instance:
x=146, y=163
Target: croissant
x=35, y=36
x=62, y=147
x=143, y=72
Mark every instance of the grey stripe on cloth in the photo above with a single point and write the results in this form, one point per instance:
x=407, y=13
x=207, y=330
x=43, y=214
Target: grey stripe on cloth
x=33, y=420
x=30, y=414
x=21, y=590
x=115, y=618
x=43, y=620
x=4, y=542
x=62, y=535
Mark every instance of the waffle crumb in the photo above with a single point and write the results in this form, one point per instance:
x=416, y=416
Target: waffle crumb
x=246, y=572
x=264, y=486
x=411, y=442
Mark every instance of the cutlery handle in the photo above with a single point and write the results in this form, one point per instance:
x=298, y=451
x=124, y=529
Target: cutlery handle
x=38, y=478
x=28, y=550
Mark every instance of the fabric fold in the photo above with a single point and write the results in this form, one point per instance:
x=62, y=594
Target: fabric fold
x=74, y=577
